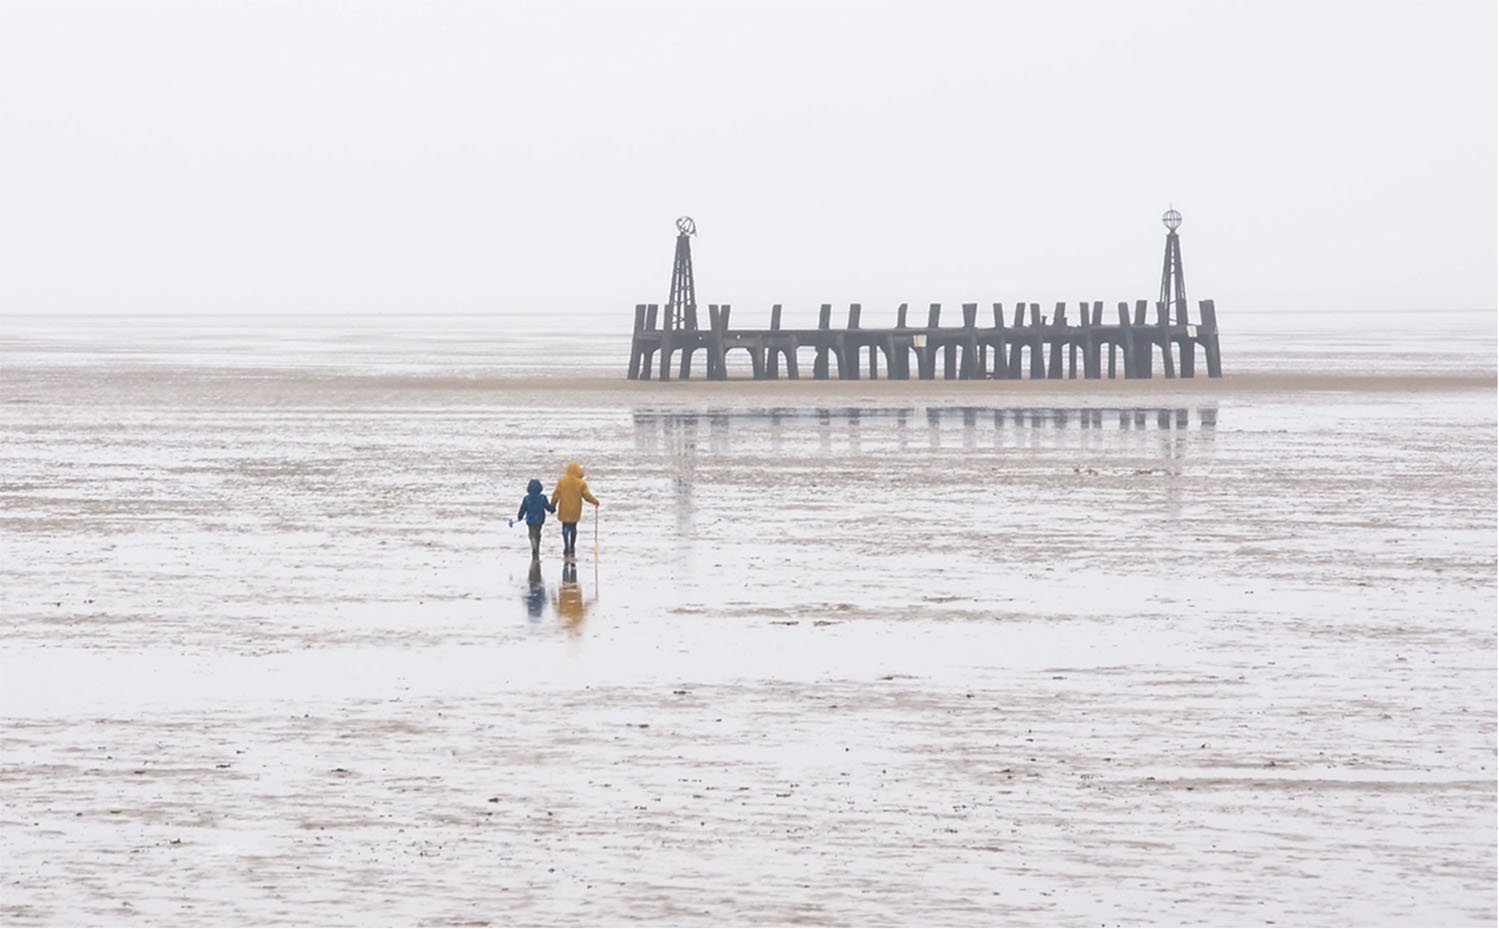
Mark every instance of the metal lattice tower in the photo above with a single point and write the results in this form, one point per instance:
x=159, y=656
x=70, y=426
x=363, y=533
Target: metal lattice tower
x=681, y=307
x=1173, y=282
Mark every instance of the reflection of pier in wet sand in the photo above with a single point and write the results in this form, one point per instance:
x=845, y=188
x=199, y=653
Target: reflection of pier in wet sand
x=1100, y=417
x=717, y=430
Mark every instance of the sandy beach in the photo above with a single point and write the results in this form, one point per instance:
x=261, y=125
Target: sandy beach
x=298, y=300
x=1181, y=652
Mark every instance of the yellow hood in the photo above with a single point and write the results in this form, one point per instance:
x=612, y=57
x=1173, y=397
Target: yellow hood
x=570, y=492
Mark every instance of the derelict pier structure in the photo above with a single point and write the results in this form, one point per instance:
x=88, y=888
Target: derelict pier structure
x=1031, y=346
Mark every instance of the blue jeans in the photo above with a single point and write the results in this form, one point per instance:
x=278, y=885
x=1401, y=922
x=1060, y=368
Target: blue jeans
x=569, y=536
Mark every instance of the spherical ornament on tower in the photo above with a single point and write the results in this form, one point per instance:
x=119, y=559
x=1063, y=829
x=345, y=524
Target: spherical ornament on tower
x=1172, y=219
x=685, y=226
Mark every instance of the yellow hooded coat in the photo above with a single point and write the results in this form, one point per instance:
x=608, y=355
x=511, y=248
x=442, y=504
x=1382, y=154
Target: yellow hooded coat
x=569, y=494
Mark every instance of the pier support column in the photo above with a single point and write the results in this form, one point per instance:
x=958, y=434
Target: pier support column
x=926, y=362
x=887, y=345
x=1017, y=340
x=1126, y=344
x=971, y=366
x=1000, y=369
x=689, y=338
x=848, y=348
x=1163, y=338
x=667, y=346
x=926, y=359
x=649, y=349
x=1038, y=345
x=1091, y=322
x=772, y=352
x=1143, y=361
x=718, y=326
x=1208, y=333
x=820, y=363
x=636, y=348
x=757, y=360
x=1054, y=364
x=1186, y=344
x=847, y=357
x=710, y=344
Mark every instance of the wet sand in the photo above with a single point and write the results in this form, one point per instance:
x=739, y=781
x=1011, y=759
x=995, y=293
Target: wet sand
x=848, y=653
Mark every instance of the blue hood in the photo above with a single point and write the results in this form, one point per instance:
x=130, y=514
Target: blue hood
x=534, y=487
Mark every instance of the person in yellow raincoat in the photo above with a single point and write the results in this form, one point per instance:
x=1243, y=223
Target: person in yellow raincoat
x=568, y=496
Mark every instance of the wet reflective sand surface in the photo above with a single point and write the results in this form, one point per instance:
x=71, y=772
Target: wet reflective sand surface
x=1213, y=653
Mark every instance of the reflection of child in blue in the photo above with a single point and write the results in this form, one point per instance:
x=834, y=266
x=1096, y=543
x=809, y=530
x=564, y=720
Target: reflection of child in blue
x=536, y=592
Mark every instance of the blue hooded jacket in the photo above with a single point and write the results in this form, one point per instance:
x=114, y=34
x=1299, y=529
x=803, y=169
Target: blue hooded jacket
x=535, y=506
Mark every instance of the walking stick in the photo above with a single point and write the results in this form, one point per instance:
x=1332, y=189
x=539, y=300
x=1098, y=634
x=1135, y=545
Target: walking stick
x=595, y=530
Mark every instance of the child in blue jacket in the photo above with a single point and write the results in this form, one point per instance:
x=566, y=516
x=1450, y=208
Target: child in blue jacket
x=535, y=508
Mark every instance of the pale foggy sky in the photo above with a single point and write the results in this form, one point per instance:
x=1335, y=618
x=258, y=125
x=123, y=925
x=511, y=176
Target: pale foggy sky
x=405, y=156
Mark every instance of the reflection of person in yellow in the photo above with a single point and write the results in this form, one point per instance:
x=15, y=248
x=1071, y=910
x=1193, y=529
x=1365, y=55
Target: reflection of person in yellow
x=571, y=609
